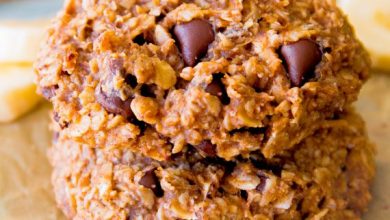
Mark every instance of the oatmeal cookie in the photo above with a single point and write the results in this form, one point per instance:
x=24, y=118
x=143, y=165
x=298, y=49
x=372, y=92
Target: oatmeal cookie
x=227, y=78
x=326, y=176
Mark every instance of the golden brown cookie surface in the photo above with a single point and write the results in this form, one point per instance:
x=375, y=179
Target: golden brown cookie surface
x=327, y=176
x=226, y=77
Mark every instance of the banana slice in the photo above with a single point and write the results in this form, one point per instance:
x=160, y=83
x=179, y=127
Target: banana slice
x=17, y=91
x=371, y=19
x=19, y=41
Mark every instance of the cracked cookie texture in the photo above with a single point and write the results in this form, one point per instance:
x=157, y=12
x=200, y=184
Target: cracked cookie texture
x=224, y=78
x=326, y=176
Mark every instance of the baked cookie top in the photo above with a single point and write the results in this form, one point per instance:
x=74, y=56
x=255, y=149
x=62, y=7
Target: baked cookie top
x=226, y=77
x=327, y=176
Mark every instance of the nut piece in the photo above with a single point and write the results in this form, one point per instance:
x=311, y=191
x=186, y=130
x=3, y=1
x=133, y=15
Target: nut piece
x=243, y=179
x=161, y=35
x=145, y=109
x=165, y=75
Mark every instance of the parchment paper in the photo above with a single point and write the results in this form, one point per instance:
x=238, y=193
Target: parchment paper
x=25, y=190
x=374, y=106
x=25, y=187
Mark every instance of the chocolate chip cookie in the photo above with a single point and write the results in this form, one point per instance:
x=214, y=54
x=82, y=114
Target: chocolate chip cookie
x=226, y=78
x=326, y=176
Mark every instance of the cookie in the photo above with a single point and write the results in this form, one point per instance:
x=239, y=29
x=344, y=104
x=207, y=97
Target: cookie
x=226, y=78
x=326, y=176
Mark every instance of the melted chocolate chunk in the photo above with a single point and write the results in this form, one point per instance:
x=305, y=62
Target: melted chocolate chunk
x=301, y=58
x=207, y=148
x=151, y=181
x=263, y=180
x=194, y=38
x=217, y=88
x=113, y=103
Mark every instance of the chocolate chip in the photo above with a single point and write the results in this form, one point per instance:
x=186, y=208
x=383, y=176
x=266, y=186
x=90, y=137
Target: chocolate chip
x=207, y=147
x=150, y=180
x=49, y=91
x=131, y=80
x=217, y=88
x=263, y=180
x=113, y=103
x=194, y=38
x=301, y=59
x=260, y=187
x=148, y=90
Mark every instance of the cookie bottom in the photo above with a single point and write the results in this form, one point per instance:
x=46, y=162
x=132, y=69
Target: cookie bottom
x=327, y=176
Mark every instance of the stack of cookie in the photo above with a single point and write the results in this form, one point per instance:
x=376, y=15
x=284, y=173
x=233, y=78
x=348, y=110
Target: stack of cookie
x=206, y=110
